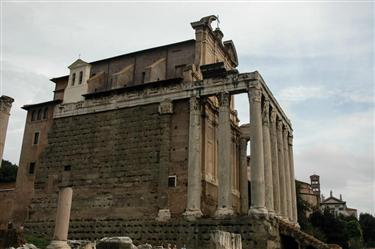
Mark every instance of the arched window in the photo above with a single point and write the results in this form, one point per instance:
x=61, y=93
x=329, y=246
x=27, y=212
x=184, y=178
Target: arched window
x=80, y=77
x=73, y=78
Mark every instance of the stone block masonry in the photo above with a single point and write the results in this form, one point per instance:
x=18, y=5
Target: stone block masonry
x=255, y=232
x=112, y=160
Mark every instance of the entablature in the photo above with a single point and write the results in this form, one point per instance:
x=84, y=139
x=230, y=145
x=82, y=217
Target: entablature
x=175, y=89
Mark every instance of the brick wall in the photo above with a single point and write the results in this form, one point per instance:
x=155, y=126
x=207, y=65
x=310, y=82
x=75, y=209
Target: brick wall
x=112, y=160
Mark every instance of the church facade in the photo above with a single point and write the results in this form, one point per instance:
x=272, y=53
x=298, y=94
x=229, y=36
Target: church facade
x=150, y=142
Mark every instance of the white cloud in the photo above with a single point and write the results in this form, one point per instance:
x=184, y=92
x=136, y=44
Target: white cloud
x=302, y=93
x=341, y=150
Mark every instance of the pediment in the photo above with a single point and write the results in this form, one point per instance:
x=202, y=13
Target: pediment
x=332, y=200
x=78, y=63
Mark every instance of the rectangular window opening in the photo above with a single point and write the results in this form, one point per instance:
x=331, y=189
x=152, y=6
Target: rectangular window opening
x=36, y=138
x=45, y=113
x=31, y=168
x=172, y=181
x=67, y=168
x=39, y=116
x=33, y=115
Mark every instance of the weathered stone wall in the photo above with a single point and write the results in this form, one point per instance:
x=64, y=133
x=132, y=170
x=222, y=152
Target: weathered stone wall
x=175, y=55
x=30, y=154
x=255, y=233
x=112, y=160
x=6, y=205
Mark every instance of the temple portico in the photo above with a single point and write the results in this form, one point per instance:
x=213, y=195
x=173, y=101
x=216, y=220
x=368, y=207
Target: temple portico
x=270, y=135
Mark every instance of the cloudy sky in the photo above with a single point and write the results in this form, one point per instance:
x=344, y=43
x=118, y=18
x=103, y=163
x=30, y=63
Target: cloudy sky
x=317, y=58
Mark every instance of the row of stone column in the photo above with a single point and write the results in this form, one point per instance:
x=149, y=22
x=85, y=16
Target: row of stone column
x=272, y=171
x=224, y=208
x=272, y=168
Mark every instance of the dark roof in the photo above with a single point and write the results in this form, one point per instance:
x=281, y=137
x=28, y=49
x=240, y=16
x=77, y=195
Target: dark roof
x=131, y=53
x=52, y=102
x=145, y=50
x=59, y=78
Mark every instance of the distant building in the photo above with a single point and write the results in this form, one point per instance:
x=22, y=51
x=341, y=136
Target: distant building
x=306, y=193
x=337, y=206
x=315, y=184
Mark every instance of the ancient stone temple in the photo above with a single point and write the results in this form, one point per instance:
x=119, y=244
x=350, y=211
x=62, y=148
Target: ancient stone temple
x=151, y=145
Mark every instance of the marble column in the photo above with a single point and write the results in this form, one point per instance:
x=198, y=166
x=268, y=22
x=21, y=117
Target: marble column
x=60, y=235
x=267, y=157
x=224, y=158
x=291, y=163
x=243, y=176
x=281, y=163
x=275, y=163
x=257, y=157
x=193, y=209
x=5, y=106
x=287, y=175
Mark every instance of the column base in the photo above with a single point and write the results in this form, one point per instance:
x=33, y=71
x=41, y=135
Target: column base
x=285, y=219
x=271, y=213
x=192, y=215
x=164, y=215
x=58, y=244
x=259, y=211
x=223, y=213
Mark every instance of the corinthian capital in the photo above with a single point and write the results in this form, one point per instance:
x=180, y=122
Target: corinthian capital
x=224, y=98
x=255, y=93
x=280, y=125
x=5, y=103
x=273, y=116
x=194, y=103
x=286, y=132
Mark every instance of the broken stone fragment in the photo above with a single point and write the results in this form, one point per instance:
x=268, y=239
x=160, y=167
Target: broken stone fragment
x=115, y=243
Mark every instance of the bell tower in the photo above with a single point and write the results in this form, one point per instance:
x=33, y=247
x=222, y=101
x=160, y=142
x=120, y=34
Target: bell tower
x=315, y=184
x=77, y=84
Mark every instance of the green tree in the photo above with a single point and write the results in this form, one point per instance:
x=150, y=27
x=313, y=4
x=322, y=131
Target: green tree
x=354, y=232
x=303, y=209
x=367, y=223
x=8, y=172
x=333, y=228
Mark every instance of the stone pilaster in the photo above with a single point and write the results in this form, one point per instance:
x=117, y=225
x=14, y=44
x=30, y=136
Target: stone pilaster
x=275, y=163
x=165, y=111
x=193, y=209
x=257, y=157
x=60, y=235
x=267, y=157
x=5, y=106
x=287, y=175
x=224, y=158
x=291, y=163
x=281, y=163
x=243, y=176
